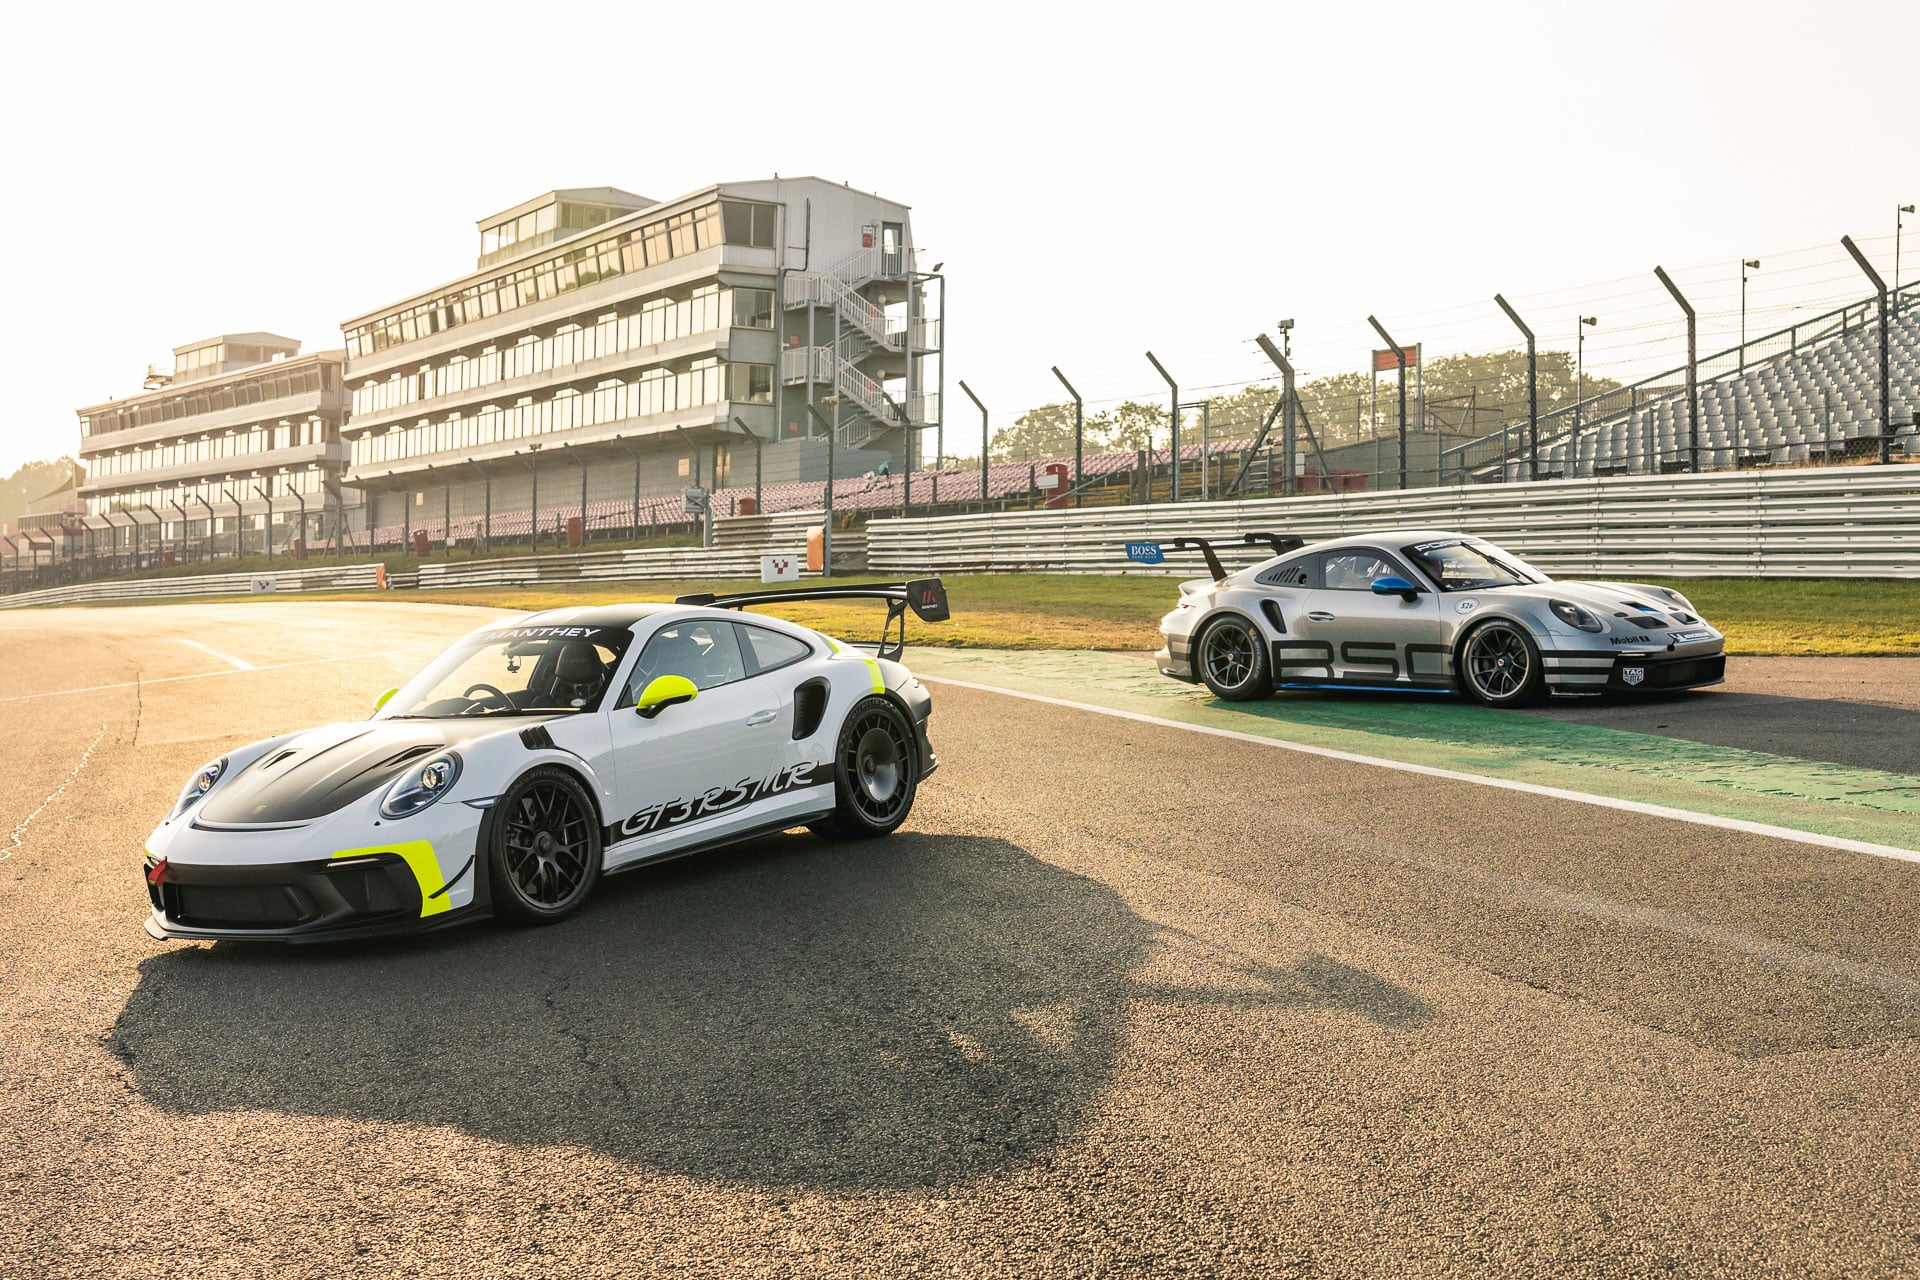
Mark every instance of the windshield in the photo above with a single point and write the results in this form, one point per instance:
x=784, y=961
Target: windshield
x=514, y=671
x=1458, y=565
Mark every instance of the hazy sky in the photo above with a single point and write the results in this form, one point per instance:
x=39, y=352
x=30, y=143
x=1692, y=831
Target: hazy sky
x=1097, y=181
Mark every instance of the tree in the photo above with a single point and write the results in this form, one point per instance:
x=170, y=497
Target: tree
x=31, y=481
x=1045, y=432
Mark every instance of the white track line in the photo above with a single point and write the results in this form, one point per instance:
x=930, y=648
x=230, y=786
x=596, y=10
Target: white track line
x=202, y=675
x=1451, y=775
x=236, y=663
x=19, y=833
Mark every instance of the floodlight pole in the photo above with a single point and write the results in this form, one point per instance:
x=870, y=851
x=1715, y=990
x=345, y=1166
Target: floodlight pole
x=826, y=530
x=1693, y=369
x=1079, y=434
x=1898, y=212
x=1399, y=354
x=1879, y=287
x=1746, y=264
x=1173, y=421
x=757, y=446
x=1533, y=389
x=238, y=518
x=983, y=439
x=486, y=517
x=531, y=463
x=574, y=454
x=293, y=491
x=185, y=532
x=1285, y=366
x=269, y=538
x=622, y=442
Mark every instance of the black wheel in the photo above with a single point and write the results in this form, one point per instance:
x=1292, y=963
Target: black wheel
x=545, y=848
x=1233, y=661
x=875, y=772
x=1500, y=665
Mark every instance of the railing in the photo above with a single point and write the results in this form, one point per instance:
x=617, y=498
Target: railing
x=1507, y=446
x=345, y=578
x=1827, y=522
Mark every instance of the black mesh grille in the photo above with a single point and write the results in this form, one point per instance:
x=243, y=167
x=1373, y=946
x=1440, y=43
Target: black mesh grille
x=239, y=906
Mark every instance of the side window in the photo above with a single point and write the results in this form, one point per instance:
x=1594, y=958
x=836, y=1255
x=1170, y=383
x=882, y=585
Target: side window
x=1284, y=575
x=1356, y=570
x=705, y=651
x=767, y=650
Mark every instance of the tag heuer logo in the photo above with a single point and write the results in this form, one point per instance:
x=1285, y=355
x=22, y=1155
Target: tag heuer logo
x=1633, y=675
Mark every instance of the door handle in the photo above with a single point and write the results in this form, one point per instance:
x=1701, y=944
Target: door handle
x=761, y=717
x=1320, y=615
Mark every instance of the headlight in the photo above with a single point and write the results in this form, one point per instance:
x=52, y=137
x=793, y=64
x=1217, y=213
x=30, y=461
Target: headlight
x=202, y=782
x=421, y=785
x=1574, y=616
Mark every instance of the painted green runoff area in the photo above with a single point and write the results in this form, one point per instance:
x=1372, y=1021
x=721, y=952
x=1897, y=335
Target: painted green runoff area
x=1444, y=732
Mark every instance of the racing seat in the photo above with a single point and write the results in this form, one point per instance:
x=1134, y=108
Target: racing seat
x=578, y=675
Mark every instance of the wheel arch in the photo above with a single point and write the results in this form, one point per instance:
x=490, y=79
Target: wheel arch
x=1206, y=621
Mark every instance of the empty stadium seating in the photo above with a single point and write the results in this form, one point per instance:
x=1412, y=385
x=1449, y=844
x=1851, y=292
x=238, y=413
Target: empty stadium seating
x=1815, y=403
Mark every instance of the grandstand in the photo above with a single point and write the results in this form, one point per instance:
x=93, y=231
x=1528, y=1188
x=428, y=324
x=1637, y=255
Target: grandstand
x=1805, y=395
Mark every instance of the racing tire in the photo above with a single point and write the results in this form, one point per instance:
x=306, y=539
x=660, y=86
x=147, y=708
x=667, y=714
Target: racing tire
x=1500, y=665
x=1232, y=658
x=876, y=772
x=544, y=849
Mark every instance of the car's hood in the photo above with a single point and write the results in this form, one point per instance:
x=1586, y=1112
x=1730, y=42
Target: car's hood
x=1609, y=600
x=317, y=772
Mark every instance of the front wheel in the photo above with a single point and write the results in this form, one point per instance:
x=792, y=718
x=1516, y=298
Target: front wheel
x=1233, y=661
x=545, y=848
x=1500, y=665
x=875, y=772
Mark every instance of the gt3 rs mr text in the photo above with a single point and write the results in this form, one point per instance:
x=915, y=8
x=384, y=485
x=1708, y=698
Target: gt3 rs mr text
x=531, y=758
x=1418, y=609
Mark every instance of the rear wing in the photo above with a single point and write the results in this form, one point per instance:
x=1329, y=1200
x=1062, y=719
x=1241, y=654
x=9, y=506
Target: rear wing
x=927, y=597
x=1155, y=552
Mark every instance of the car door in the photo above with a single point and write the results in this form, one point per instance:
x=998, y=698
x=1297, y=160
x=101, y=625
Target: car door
x=694, y=771
x=1375, y=639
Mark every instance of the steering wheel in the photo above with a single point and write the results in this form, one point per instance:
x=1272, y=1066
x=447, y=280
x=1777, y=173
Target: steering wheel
x=487, y=688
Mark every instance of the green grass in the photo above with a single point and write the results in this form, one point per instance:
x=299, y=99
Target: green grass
x=1773, y=616
x=1853, y=616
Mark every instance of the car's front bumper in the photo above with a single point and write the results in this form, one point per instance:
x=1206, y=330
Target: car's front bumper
x=1599, y=671
x=324, y=900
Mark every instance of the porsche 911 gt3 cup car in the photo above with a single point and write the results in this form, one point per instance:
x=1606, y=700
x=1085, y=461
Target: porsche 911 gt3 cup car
x=1412, y=609
x=534, y=756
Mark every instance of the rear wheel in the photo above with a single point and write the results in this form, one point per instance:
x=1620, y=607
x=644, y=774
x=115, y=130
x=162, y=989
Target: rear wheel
x=1500, y=665
x=1233, y=661
x=545, y=848
x=875, y=772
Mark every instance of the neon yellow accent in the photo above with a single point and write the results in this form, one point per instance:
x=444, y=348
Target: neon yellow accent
x=668, y=688
x=830, y=644
x=425, y=865
x=383, y=697
x=879, y=685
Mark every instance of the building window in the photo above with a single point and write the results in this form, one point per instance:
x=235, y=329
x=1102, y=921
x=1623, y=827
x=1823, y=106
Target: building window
x=750, y=383
x=749, y=224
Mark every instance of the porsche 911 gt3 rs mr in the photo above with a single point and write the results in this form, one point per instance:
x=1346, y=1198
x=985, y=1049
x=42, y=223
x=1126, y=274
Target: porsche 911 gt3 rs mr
x=535, y=756
x=1417, y=609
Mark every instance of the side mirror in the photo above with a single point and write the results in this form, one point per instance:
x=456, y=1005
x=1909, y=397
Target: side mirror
x=382, y=700
x=1394, y=586
x=663, y=692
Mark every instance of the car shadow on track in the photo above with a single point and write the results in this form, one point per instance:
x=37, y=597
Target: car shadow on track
x=917, y=1011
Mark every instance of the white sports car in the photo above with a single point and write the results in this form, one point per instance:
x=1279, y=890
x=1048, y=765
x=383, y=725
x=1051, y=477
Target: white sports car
x=535, y=756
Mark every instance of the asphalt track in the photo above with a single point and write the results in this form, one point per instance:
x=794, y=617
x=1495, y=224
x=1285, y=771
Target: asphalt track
x=1123, y=999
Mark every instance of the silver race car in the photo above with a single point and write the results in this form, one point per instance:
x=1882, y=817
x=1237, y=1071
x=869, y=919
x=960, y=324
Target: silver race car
x=1414, y=609
x=536, y=755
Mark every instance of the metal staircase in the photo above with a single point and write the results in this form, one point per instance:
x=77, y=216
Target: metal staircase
x=863, y=345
